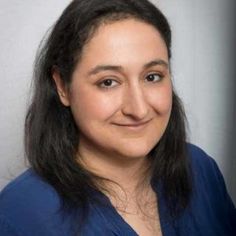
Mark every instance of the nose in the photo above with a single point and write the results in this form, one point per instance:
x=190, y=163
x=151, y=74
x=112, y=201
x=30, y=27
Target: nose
x=134, y=103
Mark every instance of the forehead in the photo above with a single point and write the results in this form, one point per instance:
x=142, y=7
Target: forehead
x=124, y=42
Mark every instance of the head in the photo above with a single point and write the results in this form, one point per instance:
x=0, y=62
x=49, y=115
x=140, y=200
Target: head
x=68, y=45
x=63, y=101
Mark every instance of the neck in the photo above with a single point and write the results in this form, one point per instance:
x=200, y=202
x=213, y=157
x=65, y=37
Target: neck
x=126, y=174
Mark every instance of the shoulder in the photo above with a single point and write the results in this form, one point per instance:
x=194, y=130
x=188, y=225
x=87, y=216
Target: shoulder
x=205, y=171
x=202, y=164
x=26, y=190
x=28, y=202
x=197, y=155
x=210, y=195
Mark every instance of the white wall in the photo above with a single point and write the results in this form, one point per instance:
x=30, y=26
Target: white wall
x=22, y=26
x=203, y=74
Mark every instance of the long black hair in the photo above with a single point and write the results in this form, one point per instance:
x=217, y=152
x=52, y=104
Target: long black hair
x=51, y=135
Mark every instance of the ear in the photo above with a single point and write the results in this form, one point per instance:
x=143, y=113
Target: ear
x=62, y=90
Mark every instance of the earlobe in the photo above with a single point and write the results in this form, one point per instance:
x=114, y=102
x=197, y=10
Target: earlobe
x=61, y=88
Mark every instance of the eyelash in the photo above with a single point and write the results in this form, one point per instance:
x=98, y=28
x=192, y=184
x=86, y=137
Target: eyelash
x=160, y=77
x=102, y=85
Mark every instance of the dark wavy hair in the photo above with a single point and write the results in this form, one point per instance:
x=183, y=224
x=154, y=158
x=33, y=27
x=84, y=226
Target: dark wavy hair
x=51, y=135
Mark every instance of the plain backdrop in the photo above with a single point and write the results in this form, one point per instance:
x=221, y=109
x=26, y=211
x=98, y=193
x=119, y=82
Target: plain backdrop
x=203, y=71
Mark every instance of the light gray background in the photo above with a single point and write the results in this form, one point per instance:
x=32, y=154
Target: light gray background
x=202, y=65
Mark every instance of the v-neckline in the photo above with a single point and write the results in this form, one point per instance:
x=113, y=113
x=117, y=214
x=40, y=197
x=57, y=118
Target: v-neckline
x=120, y=226
x=116, y=222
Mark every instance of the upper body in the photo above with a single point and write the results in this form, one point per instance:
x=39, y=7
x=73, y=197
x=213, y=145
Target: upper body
x=105, y=117
x=29, y=206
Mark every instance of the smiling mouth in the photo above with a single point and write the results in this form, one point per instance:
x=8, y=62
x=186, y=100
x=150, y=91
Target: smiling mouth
x=134, y=124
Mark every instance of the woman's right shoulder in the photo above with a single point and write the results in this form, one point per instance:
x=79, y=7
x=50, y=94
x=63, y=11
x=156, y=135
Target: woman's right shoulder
x=25, y=201
x=28, y=188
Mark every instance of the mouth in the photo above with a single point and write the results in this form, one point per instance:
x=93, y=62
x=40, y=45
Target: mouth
x=134, y=125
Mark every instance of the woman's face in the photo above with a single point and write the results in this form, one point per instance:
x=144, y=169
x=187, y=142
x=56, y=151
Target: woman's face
x=121, y=91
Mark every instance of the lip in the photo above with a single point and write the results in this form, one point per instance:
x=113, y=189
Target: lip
x=134, y=125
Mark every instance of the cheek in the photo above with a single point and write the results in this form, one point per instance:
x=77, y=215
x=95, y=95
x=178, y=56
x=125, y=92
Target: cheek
x=91, y=104
x=161, y=99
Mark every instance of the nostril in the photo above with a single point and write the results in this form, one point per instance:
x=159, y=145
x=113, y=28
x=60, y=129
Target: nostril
x=136, y=107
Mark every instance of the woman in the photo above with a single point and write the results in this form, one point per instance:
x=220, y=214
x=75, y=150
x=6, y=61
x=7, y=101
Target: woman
x=105, y=135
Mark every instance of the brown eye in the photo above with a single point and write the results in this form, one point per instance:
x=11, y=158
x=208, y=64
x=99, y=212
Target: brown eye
x=108, y=83
x=153, y=77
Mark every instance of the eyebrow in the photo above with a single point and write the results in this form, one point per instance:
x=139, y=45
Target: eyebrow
x=156, y=63
x=118, y=68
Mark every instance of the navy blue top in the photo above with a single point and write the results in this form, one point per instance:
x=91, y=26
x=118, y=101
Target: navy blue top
x=31, y=207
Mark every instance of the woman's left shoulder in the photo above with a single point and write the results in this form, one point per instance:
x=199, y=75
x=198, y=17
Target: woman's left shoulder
x=205, y=172
x=201, y=163
x=211, y=202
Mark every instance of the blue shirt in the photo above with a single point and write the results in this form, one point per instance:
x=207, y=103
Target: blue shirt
x=31, y=207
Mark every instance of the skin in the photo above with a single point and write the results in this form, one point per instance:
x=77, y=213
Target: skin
x=121, y=98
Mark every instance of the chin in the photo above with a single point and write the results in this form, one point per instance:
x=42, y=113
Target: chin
x=135, y=150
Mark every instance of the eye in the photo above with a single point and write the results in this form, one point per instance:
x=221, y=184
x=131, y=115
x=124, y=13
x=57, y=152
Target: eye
x=154, y=77
x=108, y=83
